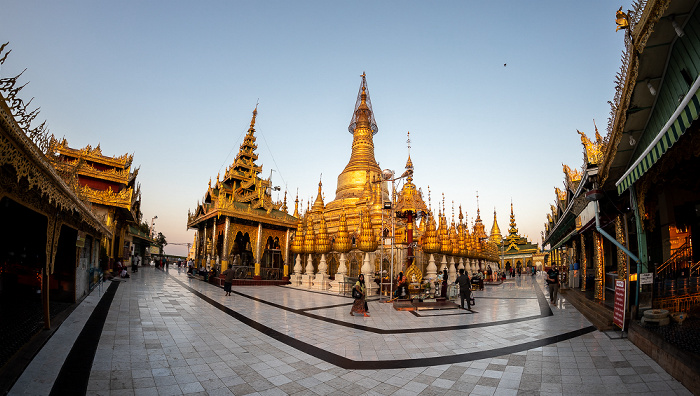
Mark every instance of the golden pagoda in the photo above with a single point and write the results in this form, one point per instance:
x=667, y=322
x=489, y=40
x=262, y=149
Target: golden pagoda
x=237, y=218
x=355, y=187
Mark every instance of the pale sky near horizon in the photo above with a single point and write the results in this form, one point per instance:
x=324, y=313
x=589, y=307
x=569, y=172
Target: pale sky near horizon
x=492, y=92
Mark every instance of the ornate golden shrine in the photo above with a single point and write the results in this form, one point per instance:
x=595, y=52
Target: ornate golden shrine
x=237, y=216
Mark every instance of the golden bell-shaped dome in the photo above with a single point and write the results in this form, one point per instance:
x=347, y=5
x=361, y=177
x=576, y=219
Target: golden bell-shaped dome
x=309, y=237
x=323, y=242
x=298, y=242
x=367, y=241
x=431, y=244
x=342, y=243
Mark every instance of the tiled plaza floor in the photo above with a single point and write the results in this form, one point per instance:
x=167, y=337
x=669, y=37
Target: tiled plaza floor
x=166, y=334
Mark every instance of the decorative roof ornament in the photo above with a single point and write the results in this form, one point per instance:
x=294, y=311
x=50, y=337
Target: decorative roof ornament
x=593, y=151
x=621, y=20
x=572, y=175
x=363, y=116
x=561, y=195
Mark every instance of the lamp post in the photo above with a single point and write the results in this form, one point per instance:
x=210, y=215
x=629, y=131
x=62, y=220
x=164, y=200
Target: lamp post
x=153, y=219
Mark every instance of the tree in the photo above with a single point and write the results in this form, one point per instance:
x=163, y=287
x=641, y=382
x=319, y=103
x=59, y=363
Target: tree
x=160, y=241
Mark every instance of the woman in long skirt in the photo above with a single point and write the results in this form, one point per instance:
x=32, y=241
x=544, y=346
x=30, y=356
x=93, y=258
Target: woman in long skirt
x=360, y=305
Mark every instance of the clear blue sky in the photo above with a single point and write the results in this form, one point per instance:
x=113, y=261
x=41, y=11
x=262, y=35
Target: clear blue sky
x=175, y=82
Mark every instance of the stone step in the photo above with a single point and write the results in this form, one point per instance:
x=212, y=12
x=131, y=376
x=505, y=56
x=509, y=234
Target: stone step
x=598, y=314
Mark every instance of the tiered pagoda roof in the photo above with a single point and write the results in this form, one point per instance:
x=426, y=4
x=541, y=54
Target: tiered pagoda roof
x=242, y=193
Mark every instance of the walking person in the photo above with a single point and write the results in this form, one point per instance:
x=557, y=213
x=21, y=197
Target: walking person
x=228, y=279
x=464, y=288
x=359, y=293
x=553, y=283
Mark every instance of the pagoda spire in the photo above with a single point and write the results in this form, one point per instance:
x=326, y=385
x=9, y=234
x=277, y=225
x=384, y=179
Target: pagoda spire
x=296, y=205
x=496, y=236
x=362, y=164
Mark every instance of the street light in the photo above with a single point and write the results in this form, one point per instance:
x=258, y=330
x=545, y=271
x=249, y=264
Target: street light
x=388, y=175
x=153, y=219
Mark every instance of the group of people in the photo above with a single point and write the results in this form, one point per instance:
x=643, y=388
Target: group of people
x=359, y=293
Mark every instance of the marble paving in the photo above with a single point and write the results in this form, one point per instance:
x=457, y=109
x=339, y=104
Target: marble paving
x=167, y=334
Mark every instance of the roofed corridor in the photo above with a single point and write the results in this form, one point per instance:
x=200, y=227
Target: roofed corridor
x=167, y=334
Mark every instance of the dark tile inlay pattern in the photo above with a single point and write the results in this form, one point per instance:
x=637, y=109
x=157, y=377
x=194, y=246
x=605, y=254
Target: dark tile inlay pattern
x=75, y=372
x=349, y=364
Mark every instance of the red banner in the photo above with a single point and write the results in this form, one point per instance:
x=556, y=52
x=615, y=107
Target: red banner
x=620, y=304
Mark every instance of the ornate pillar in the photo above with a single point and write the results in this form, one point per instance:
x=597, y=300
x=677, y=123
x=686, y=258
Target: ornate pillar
x=224, y=253
x=285, y=264
x=202, y=259
x=584, y=263
x=621, y=256
x=215, y=236
x=599, y=266
x=258, y=242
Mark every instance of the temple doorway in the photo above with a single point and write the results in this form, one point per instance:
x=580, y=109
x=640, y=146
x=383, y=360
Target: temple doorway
x=242, y=250
x=271, y=263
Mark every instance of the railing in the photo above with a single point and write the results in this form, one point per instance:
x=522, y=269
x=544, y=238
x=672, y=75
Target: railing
x=695, y=269
x=680, y=259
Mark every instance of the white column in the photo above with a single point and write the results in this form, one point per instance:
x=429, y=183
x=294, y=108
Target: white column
x=321, y=280
x=451, y=272
x=295, y=279
x=337, y=284
x=431, y=270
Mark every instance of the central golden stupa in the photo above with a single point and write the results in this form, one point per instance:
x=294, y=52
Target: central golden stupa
x=360, y=184
x=352, y=234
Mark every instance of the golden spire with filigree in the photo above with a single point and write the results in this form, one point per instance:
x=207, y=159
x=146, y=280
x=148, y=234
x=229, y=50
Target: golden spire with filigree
x=431, y=244
x=296, y=206
x=461, y=236
x=363, y=127
x=298, y=242
x=367, y=242
x=496, y=236
x=342, y=243
x=323, y=242
x=318, y=204
x=454, y=239
x=309, y=237
x=443, y=235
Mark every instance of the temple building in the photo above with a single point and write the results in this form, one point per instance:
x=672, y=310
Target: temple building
x=237, y=222
x=517, y=251
x=629, y=218
x=372, y=226
x=109, y=184
x=49, y=236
